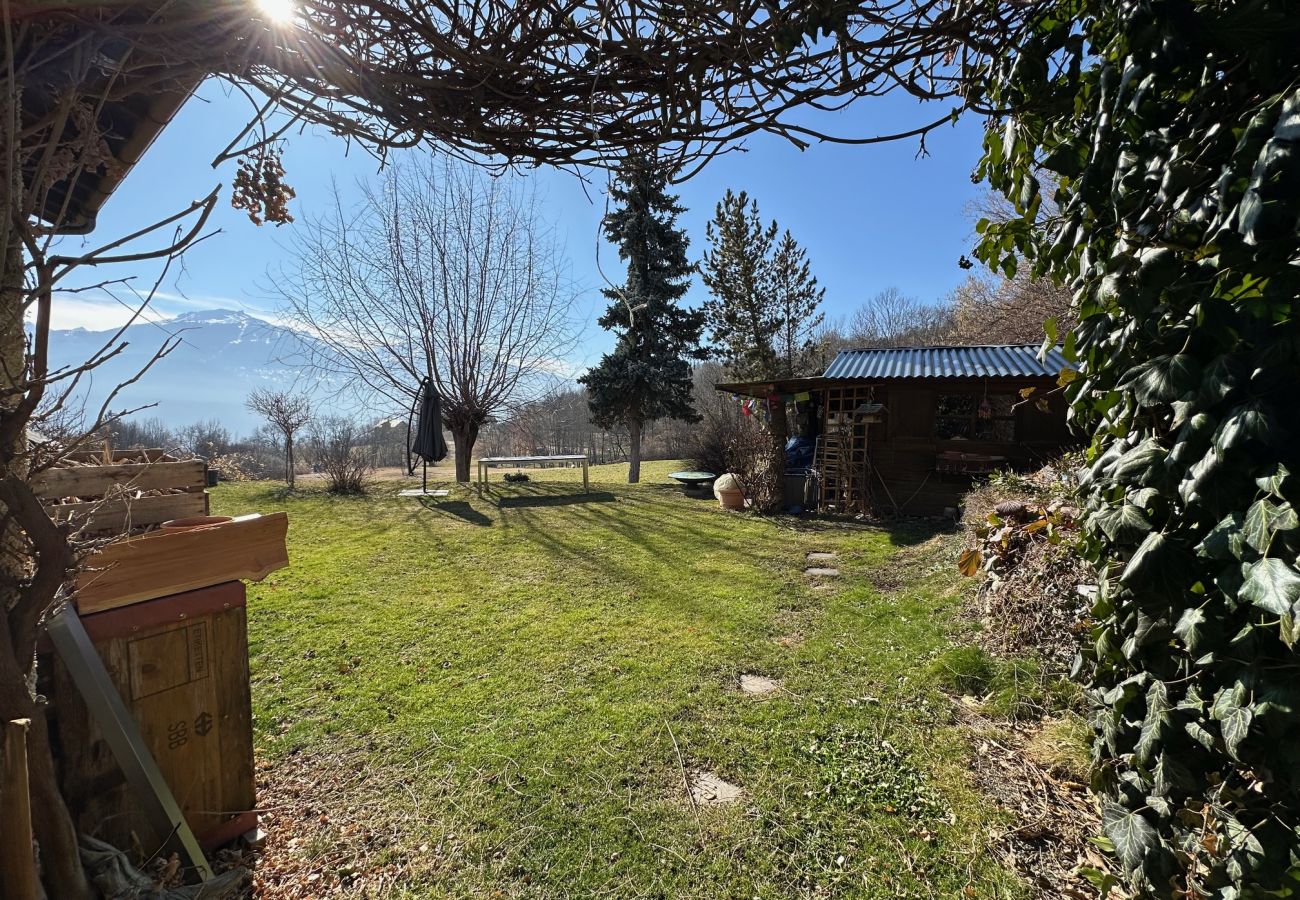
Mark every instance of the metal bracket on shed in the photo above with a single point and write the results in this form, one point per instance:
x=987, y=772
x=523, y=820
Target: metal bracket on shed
x=69, y=637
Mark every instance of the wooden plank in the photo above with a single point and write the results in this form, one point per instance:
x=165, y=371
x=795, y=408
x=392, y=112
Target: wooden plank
x=17, y=861
x=121, y=515
x=161, y=563
x=94, y=481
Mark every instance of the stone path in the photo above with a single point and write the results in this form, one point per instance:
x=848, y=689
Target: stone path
x=759, y=685
x=708, y=789
x=822, y=557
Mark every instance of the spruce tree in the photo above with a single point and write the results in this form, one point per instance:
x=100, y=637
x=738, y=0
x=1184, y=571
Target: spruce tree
x=647, y=376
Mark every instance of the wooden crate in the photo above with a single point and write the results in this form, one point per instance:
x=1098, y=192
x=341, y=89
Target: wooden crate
x=181, y=665
x=100, y=492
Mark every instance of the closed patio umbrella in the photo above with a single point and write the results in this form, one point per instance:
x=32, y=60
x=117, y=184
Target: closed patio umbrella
x=425, y=441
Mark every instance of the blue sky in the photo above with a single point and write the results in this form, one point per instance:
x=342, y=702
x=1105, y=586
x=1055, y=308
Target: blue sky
x=871, y=217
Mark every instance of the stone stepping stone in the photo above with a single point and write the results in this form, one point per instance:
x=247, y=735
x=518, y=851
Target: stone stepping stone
x=820, y=556
x=707, y=789
x=759, y=685
x=821, y=572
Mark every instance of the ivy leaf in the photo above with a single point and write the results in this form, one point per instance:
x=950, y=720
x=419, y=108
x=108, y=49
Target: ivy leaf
x=1251, y=421
x=1198, y=733
x=1163, y=379
x=1289, y=631
x=1264, y=519
x=1131, y=835
x=1235, y=726
x=1168, y=774
x=1188, y=628
x=1123, y=523
x=1224, y=540
x=1272, y=585
x=1193, y=439
x=1158, y=564
x=1154, y=723
x=1137, y=464
x=1276, y=482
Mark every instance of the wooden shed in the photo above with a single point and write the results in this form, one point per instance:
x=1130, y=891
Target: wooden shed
x=904, y=430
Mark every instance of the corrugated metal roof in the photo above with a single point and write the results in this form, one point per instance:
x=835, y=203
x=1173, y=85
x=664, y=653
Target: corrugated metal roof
x=998, y=361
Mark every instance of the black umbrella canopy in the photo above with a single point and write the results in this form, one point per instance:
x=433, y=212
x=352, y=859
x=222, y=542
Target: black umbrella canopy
x=426, y=441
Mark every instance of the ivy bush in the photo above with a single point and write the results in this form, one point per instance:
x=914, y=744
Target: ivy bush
x=1170, y=132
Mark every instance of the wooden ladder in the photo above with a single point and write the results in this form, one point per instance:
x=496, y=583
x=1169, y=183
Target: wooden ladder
x=831, y=458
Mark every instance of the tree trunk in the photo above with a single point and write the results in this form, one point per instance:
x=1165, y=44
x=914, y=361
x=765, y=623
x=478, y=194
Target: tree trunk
x=52, y=824
x=634, y=452
x=463, y=437
x=288, y=460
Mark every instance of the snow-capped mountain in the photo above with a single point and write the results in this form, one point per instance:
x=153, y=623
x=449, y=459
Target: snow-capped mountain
x=222, y=356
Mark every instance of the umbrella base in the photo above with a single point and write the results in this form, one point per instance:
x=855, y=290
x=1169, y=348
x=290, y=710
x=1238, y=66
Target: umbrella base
x=422, y=492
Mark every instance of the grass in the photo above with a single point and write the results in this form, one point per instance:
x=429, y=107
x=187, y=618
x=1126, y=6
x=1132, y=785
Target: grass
x=497, y=696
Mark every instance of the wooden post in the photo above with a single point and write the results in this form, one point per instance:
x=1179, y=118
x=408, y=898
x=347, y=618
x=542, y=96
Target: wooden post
x=17, y=862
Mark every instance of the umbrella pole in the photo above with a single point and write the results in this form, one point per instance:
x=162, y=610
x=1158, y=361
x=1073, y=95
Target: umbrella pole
x=424, y=478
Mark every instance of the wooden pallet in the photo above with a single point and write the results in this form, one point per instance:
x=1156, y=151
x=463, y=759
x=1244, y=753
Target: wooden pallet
x=105, y=491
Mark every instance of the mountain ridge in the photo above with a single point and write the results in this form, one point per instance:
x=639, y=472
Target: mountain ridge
x=222, y=355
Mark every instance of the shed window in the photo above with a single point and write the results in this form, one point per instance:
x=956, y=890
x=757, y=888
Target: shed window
x=973, y=417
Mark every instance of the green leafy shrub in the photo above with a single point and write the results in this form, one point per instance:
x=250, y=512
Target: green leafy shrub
x=1172, y=132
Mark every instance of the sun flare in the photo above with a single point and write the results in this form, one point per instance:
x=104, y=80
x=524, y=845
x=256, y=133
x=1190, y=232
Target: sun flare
x=279, y=12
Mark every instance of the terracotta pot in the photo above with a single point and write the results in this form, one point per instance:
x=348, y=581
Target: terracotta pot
x=193, y=522
x=731, y=499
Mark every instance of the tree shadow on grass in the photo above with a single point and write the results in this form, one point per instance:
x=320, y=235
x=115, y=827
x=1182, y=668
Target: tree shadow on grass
x=460, y=509
x=902, y=532
x=529, y=500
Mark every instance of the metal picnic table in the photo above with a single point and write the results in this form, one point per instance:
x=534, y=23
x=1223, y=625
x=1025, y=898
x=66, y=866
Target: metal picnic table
x=488, y=462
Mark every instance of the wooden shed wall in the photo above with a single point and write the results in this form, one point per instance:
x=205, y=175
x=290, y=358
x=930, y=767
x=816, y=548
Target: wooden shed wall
x=904, y=446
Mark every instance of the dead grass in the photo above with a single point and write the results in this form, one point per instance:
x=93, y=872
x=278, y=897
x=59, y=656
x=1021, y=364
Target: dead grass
x=1031, y=773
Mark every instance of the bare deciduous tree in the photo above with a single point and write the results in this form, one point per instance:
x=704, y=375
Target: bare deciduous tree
x=285, y=412
x=445, y=273
x=990, y=309
x=894, y=319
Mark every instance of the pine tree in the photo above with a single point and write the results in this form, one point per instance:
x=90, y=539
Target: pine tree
x=762, y=315
x=796, y=297
x=647, y=376
x=737, y=271
x=765, y=304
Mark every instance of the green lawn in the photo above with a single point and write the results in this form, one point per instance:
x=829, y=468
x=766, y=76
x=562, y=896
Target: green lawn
x=496, y=696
